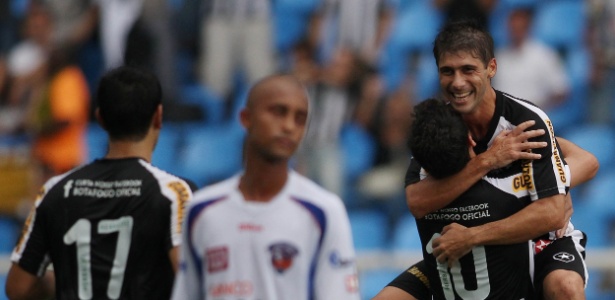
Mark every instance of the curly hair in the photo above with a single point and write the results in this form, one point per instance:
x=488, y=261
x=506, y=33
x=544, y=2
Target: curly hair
x=439, y=138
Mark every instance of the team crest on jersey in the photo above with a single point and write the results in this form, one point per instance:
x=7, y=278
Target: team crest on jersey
x=282, y=256
x=564, y=257
x=217, y=259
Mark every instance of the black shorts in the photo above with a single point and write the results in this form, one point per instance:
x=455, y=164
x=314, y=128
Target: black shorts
x=413, y=281
x=567, y=253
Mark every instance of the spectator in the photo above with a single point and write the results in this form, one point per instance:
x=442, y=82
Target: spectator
x=58, y=115
x=333, y=101
x=361, y=26
x=235, y=35
x=478, y=10
x=602, y=45
x=528, y=68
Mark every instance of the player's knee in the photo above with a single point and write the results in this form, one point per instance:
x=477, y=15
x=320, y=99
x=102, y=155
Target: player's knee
x=564, y=284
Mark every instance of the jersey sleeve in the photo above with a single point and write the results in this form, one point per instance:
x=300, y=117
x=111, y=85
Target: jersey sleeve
x=179, y=193
x=413, y=174
x=32, y=250
x=547, y=176
x=336, y=274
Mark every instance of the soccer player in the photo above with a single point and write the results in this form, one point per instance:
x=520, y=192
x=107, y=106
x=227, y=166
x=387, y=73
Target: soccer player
x=466, y=64
x=110, y=228
x=440, y=142
x=268, y=232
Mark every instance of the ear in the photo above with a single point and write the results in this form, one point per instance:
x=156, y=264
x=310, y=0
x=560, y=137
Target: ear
x=99, y=118
x=244, y=117
x=492, y=68
x=157, y=118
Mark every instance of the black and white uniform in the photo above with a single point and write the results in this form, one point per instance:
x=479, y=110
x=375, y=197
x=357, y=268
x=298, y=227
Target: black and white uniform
x=488, y=272
x=540, y=178
x=543, y=178
x=413, y=281
x=107, y=228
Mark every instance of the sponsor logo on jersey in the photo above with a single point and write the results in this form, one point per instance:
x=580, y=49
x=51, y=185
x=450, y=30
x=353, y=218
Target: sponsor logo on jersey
x=352, y=283
x=239, y=288
x=250, y=227
x=558, y=160
x=418, y=274
x=282, y=256
x=564, y=257
x=524, y=181
x=337, y=261
x=217, y=259
x=541, y=245
x=67, y=187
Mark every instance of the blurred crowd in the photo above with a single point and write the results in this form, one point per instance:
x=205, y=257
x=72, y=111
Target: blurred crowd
x=365, y=64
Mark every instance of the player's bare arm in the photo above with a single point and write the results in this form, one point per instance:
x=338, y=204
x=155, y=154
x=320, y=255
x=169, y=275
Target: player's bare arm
x=21, y=285
x=541, y=216
x=583, y=165
x=431, y=194
x=174, y=256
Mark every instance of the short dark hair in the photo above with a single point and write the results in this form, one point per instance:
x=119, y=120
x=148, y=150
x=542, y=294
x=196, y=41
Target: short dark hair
x=464, y=35
x=438, y=138
x=127, y=98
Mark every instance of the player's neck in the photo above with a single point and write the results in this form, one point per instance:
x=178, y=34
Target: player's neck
x=126, y=149
x=478, y=121
x=262, y=181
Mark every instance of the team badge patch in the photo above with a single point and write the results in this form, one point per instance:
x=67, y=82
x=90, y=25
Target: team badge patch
x=338, y=261
x=564, y=257
x=217, y=259
x=282, y=256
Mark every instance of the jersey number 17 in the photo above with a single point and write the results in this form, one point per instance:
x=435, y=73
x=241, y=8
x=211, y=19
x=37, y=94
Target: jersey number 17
x=80, y=234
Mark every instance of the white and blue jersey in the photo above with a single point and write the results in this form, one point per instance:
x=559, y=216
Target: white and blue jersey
x=296, y=246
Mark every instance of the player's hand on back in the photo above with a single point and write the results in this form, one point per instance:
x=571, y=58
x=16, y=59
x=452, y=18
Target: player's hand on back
x=512, y=145
x=455, y=242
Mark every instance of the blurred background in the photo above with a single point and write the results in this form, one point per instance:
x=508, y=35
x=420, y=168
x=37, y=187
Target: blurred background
x=365, y=64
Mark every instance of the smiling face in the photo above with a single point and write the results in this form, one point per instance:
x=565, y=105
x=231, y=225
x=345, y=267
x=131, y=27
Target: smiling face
x=275, y=119
x=465, y=80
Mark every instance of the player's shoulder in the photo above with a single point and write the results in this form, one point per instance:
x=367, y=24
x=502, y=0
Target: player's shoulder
x=307, y=190
x=217, y=190
x=517, y=110
x=163, y=177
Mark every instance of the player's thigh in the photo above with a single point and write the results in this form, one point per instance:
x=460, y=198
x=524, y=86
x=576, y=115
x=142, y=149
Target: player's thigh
x=561, y=267
x=563, y=284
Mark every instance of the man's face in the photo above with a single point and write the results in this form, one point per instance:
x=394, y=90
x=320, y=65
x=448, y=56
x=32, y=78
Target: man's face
x=277, y=124
x=464, y=80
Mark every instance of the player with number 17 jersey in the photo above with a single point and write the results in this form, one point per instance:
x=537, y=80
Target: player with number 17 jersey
x=107, y=228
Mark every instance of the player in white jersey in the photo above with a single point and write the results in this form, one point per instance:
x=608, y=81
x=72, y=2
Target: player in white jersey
x=268, y=233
